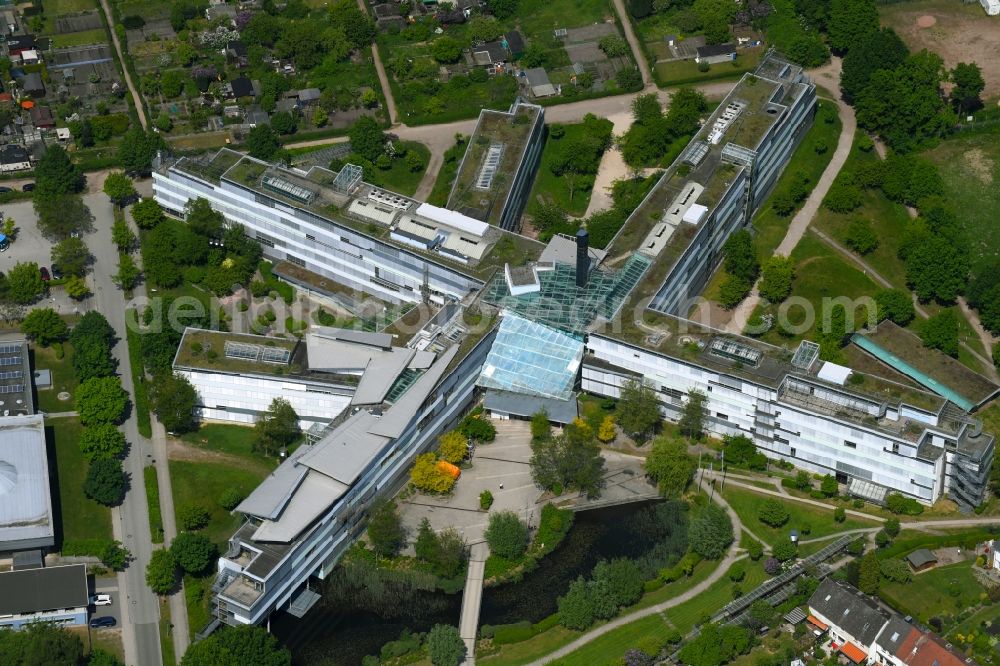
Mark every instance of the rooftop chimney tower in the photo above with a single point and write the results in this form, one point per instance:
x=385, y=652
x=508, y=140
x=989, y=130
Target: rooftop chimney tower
x=582, y=257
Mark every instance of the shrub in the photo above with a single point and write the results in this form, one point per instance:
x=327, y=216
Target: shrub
x=843, y=197
x=772, y=566
x=840, y=514
x=784, y=550
x=755, y=550
x=899, y=504
x=192, y=516
x=773, y=513
x=485, y=500
x=506, y=535
x=478, y=428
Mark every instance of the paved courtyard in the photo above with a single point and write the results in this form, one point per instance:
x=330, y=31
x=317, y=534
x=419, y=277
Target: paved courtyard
x=506, y=461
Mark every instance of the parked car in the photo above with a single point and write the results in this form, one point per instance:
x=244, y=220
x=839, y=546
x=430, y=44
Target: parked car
x=28, y=187
x=5, y=190
x=57, y=272
x=101, y=600
x=98, y=622
x=45, y=273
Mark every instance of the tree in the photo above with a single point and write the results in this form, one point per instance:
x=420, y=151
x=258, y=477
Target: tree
x=940, y=331
x=733, y=290
x=138, y=148
x=892, y=527
x=92, y=359
x=76, y=287
x=861, y=236
x=284, y=122
x=895, y=305
x=540, y=428
x=869, y=574
x=174, y=399
x=115, y=556
x=147, y=213
x=772, y=512
x=193, y=553
x=426, y=546
x=55, y=174
x=446, y=50
x=606, y=432
x=118, y=187
x=24, y=283
x=839, y=514
x=277, y=427
x=936, y=268
x=44, y=326
x=969, y=84
x=92, y=329
x=670, y=466
x=776, y=278
x=262, y=142
x=385, y=529
x=716, y=645
x=503, y=9
x=692, y=422
x=452, y=446
x=122, y=235
x=445, y=646
x=192, y=516
x=896, y=570
x=237, y=646
x=72, y=256
x=105, y=482
x=759, y=614
x=576, y=607
x=161, y=573
x=828, y=486
x=622, y=581
x=40, y=644
x=103, y=440
x=100, y=657
x=128, y=273
x=877, y=50
x=428, y=477
x=710, y=532
x=571, y=460
x=101, y=400
x=367, y=138
x=849, y=22
x=638, y=410
x=843, y=197
x=741, y=258
x=507, y=535
x=478, y=428
x=614, y=46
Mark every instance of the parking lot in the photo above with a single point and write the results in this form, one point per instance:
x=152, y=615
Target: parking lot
x=29, y=246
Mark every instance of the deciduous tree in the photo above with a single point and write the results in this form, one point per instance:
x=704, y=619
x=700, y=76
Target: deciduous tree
x=710, y=532
x=193, y=553
x=507, y=535
x=426, y=475
x=969, y=84
x=941, y=332
x=692, y=421
x=105, y=482
x=236, y=646
x=385, y=529
x=24, y=283
x=102, y=440
x=638, y=410
x=772, y=512
x=44, y=326
x=452, y=446
x=445, y=646
x=72, y=256
x=147, y=213
x=174, y=399
x=670, y=466
x=101, y=400
x=161, y=576
x=277, y=427
x=262, y=142
x=776, y=278
x=118, y=187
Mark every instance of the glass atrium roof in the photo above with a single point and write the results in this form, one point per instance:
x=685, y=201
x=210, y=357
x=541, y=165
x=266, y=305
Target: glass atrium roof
x=563, y=305
x=533, y=359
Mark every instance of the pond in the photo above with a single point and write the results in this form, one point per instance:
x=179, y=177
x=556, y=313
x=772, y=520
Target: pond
x=343, y=634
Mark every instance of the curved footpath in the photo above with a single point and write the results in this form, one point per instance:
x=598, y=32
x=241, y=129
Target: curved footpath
x=732, y=556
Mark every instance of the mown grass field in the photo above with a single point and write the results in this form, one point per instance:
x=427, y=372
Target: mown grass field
x=746, y=503
x=943, y=590
x=63, y=378
x=81, y=518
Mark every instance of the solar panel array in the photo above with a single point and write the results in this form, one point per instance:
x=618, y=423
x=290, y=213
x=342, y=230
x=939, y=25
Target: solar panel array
x=490, y=164
x=696, y=153
x=16, y=374
x=257, y=353
x=14, y=388
x=734, y=351
x=10, y=360
x=10, y=348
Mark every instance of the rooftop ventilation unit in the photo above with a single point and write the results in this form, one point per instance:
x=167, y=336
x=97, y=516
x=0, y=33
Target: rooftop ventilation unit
x=725, y=119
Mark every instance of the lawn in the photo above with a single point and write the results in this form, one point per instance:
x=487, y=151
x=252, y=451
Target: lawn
x=553, y=189
x=225, y=438
x=197, y=598
x=942, y=591
x=141, y=397
x=706, y=604
x=79, y=518
x=446, y=176
x=968, y=165
x=63, y=378
x=820, y=521
x=203, y=482
x=95, y=36
x=821, y=273
x=153, y=500
x=400, y=177
x=681, y=72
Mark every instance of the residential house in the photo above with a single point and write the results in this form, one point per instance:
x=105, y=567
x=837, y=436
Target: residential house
x=18, y=44
x=220, y=11
x=490, y=55
x=30, y=57
x=256, y=116
x=240, y=87
x=514, y=43
x=537, y=80
x=309, y=96
x=31, y=85
x=236, y=53
x=866, y=633
x=41, y=117
x=13, y=157
x=713, y=53
x=44, y=594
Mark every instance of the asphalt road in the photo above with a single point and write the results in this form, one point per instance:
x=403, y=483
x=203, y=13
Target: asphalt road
x=140, y=614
